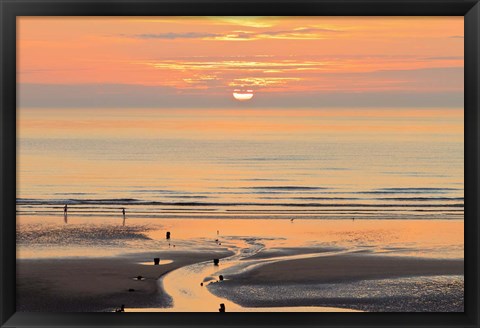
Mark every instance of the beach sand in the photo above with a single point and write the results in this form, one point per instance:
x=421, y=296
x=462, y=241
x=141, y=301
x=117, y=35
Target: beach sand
x=374, y=265
x=98, y=284
x=360, y=281
x=346, y=268
x=368, y=282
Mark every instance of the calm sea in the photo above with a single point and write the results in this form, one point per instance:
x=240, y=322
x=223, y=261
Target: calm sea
x=242, y=163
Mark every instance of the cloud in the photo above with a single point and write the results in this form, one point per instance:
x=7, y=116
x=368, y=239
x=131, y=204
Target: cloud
x=456, y=37
x=172, y=36
x=300, y=33
x=249, y=21
x=229, y=65
x=419, y=81
x=445, y=58
x=33, y=71
x=313, y=74
x=138, y=96
x=262, y=81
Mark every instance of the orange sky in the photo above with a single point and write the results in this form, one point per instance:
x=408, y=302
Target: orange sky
x=185, y=62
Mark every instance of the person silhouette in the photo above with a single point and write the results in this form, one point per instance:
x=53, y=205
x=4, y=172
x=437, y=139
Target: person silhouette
x=123, y=212
x=65, y=211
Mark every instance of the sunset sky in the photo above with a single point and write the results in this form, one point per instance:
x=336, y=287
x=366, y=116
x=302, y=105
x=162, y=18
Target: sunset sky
x=289, y=62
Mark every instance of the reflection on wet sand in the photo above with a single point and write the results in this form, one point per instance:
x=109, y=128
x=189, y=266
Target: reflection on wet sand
x=260, y=262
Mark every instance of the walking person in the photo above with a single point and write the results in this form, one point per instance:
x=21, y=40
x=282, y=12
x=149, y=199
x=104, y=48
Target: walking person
x=65, y=213
x=123, y=212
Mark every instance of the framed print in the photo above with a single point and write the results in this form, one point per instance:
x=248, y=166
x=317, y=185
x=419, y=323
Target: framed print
x=309, y=163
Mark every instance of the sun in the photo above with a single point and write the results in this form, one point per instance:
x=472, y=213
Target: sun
x=242, y=94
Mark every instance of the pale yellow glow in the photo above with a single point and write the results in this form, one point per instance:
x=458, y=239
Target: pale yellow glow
x=243, y=95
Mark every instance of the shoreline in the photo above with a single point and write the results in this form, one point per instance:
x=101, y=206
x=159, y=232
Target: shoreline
x=99, y=284
x=90, y=266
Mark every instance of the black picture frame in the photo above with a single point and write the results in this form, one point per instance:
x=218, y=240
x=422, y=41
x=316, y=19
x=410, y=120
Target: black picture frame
x=10, y=9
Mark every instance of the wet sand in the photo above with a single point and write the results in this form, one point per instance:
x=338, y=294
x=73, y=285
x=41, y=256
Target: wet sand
x=369, y=265
x=267, y=281
x=99, y=284
x=348, y=267
x=367, y=282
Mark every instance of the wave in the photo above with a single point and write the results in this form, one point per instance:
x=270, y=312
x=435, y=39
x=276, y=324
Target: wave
x=284, y=188
x=69, y=201
x=262, y=179
x=376, y=198
x=419, y=198
x=313, y=198
x=325, y=215
x=73, y=193
x=133, y=202
x=156, y=191
x=417, y=189
x=287, y=189
x=408, y=191
x=262, y=159
x=187, y=196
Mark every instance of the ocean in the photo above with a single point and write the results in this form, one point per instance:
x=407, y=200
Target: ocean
x=241, y=163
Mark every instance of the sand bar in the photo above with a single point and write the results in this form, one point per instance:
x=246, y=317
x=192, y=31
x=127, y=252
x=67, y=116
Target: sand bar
x=98, y=284
x=342, y=268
